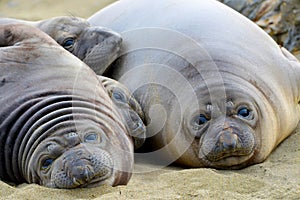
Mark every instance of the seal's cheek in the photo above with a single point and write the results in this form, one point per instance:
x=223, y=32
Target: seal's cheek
x=227, y=146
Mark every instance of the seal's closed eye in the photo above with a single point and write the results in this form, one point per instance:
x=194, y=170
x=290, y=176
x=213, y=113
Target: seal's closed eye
x=92, y=137
x=118, y=96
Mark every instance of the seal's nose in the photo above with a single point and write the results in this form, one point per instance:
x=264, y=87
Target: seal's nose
x=105, y=33
x=82, y=174
x=227, y=140
x=79, y=167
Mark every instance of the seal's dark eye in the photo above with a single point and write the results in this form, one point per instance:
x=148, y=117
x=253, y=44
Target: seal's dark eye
x=202, y=119
x=47, y=163
x=68, y=43
x=244, y=112
x=91, y=137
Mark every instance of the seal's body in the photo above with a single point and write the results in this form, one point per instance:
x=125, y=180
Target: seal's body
x=58, y=126
x=216, y=90
x=98, y=47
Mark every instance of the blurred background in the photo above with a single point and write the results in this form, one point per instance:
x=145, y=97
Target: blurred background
x=41, y=9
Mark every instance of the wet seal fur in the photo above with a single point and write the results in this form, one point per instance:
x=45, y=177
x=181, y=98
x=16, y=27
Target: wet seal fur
x=58, y=125
x=216, y=90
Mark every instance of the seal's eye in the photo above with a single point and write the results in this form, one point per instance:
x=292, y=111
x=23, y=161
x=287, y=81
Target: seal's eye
x=199, y=125
x=202, y=119
x=118, y=96
x=47, y=163
x=91, y=138
x=244, y=112
x=68, y=43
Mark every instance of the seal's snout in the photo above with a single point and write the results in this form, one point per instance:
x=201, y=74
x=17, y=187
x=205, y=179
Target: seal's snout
x=227, y=144
x=227, y=140
x=108, y=37
x=98, y=48
x=79, y=167
x=81, y=171
x=83, y=174
x=82, y=166
x=104, y=33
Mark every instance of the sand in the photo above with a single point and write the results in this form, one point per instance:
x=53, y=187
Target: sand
x=277, y=178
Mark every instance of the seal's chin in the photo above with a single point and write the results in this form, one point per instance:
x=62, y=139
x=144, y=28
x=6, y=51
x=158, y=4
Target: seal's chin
x=98, y=182
x=229, y=162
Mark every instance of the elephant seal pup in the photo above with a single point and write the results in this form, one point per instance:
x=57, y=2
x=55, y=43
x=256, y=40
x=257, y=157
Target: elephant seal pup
x=216, y=90
x=98, y=47
x=58, y=125
x=129, y=108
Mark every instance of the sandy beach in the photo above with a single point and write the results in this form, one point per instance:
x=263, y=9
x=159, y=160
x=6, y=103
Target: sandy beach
x=277, y=178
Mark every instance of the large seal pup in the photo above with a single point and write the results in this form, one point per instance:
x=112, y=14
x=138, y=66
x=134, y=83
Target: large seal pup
x=98, y=47
x=58, y=126
x=216, y=90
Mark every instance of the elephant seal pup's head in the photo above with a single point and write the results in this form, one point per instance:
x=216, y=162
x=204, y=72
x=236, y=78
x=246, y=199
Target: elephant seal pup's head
x=97, y=46
x=129, y=109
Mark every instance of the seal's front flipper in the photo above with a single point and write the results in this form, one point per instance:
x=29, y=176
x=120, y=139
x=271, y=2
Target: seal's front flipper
x=128, y=107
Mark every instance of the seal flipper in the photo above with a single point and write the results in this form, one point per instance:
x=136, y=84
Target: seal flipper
x=129, y=108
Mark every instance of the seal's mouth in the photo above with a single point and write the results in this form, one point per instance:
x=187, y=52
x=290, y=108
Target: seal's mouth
x=96, y=181
x=229, y=162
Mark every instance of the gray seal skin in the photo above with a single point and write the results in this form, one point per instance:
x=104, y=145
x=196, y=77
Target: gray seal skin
x=226, y=93
x=58, y=126
x=98, y=47
x=280, y=19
